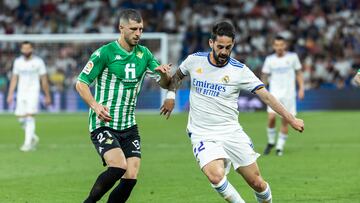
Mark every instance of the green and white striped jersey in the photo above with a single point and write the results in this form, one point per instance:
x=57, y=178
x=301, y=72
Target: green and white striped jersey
x=118, y=75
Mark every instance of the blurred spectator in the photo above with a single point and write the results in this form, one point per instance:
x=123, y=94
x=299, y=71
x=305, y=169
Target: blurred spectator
x=325, y=34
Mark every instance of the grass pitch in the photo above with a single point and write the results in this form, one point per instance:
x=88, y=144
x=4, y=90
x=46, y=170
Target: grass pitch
x=320, y=165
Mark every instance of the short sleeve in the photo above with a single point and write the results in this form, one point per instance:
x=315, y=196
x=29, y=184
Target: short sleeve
x=42, y=67
x=152, y=61
x=266, y=66
x=16, y=68
x=93, y=67
x=249, y=81
x=297, y=64
x=185, y=66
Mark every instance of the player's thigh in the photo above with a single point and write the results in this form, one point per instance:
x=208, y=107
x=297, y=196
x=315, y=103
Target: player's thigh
x=107, y=145
x=20, y=108
x=240, y=149
x=133, y=167
x=252, y=176
x=115, y=158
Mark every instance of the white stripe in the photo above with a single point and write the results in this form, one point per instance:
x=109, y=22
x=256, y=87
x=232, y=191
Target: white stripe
x=126, y=103
x=117, y=107
x=96, y=93
x=111, y=93
x=132, y=103
x=102, y=92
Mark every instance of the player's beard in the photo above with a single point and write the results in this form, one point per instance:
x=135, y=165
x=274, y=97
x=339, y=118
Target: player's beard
x=27, y=55
x=132, y=42
x=220, y=59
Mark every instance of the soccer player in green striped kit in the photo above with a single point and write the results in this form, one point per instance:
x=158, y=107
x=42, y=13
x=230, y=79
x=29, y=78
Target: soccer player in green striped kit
x=118, y=68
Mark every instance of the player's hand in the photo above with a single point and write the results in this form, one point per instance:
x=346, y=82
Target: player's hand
x=167, y=107
x=164, y=68
x=297, y=124
x=102, y=112
x=47, y=100
x=9, y=99
x=301, y=94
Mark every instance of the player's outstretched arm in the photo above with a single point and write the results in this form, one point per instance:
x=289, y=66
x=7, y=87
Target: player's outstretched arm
x=169, y=103
x=12, y=86
x=101, y=111
x=164, y=71
x=270, y=100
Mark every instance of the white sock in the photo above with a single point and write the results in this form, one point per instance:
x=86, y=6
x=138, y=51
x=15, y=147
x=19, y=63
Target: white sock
x=271, y=133
x=264, y=196
x=281, y=141
x=22, y=122
x=227, y=191
x=29, y=130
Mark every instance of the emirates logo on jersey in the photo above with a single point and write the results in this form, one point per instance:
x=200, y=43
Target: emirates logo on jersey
x=225, y=79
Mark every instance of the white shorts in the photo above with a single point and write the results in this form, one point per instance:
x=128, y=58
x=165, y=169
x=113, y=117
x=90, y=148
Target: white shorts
x=288, y=103
x=236, y=149
x=26, y=105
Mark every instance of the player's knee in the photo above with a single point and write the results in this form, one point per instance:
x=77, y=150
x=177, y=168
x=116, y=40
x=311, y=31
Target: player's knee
x=216, y=176
x=116, y=162
x=131, y=174
x=258, y=184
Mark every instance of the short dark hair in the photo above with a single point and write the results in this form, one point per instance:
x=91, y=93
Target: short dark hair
x=278, y=37
x=130, y=14
x=26, y=42
x=223, y=29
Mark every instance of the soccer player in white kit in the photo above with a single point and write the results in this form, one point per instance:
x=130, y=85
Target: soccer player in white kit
x=282, y=69
x=28, y=70
x=217, y=138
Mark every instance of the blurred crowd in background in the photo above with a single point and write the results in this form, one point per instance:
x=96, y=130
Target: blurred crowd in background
x=324, y=33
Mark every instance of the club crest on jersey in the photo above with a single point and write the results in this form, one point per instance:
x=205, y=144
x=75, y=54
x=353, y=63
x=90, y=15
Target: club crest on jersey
x=88, y=67
x=199, y=70
x=109, y=141
x=139, y=54
x=226, y=79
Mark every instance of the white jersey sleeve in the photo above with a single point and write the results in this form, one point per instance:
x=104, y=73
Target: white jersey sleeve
x=249, y=81
x=185, y=65
x=42, y=68
x=16, y=67
x=266, y=66
x=297, y=64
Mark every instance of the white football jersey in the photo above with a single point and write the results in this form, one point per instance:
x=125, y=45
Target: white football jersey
x=28, y=72
x=282, y=74
x=214, y=94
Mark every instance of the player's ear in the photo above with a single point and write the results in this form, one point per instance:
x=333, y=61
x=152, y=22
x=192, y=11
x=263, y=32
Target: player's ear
x=211, y=43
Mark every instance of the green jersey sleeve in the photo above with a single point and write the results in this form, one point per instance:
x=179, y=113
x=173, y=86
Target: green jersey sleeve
x=93, y=67
x=152, y=61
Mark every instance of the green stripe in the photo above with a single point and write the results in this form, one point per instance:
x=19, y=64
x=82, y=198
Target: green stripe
x=113, y=103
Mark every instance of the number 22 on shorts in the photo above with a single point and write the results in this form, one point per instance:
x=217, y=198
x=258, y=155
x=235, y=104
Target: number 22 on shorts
x=198, y=148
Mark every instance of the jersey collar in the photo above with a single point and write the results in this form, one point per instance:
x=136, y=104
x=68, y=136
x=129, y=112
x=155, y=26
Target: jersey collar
x=122, y=49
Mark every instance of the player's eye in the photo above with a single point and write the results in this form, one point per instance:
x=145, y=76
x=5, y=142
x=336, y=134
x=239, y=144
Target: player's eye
x=228, y=47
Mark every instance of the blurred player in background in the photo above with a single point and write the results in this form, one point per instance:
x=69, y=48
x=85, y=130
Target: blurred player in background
x=28, y=71
x=119, y=69
x=282, y=69
x=357, y=78
x=216, y=135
